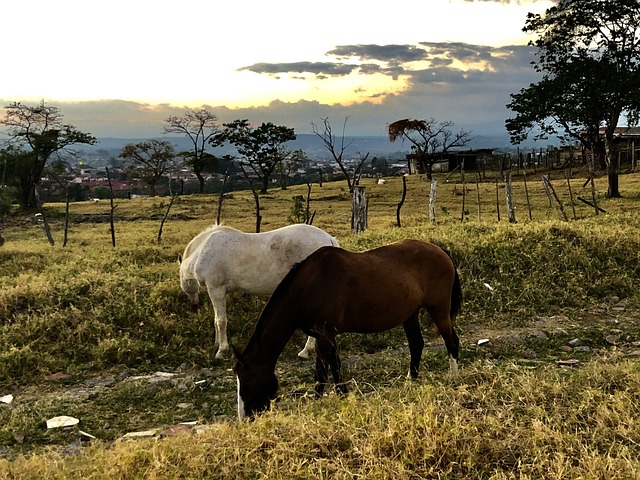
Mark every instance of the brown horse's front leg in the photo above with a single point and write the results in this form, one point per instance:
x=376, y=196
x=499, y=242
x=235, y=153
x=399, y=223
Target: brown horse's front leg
x=336, y=371
x=323, y=353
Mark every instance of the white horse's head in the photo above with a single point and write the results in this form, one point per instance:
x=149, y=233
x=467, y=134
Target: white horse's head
x=188, y=283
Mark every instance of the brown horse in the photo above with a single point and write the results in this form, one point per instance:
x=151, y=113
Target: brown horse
x=335, y=291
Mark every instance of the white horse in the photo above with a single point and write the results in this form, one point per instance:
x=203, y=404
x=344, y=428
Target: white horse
x=223, y=259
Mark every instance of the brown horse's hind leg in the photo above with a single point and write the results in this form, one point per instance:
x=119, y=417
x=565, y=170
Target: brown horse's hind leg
x=441, y=319
x=336, y=371
x=416, y=343
x=327, y=358
x=323, y=353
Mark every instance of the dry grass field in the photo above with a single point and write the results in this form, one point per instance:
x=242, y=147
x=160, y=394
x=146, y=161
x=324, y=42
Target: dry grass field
x=105, y=335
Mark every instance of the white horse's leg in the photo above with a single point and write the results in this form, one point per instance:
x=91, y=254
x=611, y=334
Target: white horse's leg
x=308, y=349
x=218, y=298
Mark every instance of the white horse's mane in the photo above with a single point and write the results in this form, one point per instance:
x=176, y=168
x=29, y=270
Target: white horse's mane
x=198, y=239
x=219, y=226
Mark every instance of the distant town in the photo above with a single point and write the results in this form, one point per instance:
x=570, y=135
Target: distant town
x=89, y=164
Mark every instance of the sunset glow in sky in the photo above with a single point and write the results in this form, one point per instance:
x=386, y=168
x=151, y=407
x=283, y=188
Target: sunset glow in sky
x=249, y=54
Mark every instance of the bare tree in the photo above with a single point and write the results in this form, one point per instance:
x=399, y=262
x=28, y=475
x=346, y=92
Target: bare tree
x=201, y=127
x=429, y=140
x=337, y=147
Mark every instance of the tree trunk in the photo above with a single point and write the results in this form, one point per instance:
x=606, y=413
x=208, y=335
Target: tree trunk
x=265, y=185
x=613, y=190
x=359, y=210
x=27, y=193
x=200, y=181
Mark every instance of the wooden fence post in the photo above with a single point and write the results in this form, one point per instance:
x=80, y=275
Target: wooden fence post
x=464, y=191
x=221, y=196
x=573, y=205
x=432, y=201
x=45, y=222
x=113, y=207
x=478, y=194
x=66, y=216
x=549, y=187
x=404, y=196
x=545, y=184
x=593, y=193
x=511, y=211
x=359, y=209
x=497, y=199
x=526, y=192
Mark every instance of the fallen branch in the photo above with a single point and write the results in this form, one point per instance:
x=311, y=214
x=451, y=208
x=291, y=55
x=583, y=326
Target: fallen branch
x=591, y=204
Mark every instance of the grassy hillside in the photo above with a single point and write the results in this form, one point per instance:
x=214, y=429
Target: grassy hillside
x=84, y=329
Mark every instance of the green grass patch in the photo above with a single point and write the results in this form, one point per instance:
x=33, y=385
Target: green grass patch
x=84, y=328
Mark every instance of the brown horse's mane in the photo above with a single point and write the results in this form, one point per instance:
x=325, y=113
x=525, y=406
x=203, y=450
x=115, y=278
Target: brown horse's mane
x=283, y=287
x=277, y=293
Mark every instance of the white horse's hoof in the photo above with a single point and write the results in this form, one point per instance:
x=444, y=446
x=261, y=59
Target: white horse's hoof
x=222, y=354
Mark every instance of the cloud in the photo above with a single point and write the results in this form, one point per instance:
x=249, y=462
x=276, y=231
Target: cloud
x=395, y=60
x=422, y=63
x=391, y=54
x=314, y=68
x=464, y=83
x=506, y=2
x=514, y=2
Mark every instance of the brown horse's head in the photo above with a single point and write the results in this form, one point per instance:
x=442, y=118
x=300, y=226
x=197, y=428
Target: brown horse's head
x=257, y=387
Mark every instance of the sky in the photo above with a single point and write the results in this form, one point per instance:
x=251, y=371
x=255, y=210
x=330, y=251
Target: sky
x=119, y=68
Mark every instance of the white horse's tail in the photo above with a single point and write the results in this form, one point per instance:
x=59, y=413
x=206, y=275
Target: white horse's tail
x=335, y=242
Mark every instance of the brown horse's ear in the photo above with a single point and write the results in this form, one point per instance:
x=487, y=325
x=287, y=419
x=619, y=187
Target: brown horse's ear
x=179, y=259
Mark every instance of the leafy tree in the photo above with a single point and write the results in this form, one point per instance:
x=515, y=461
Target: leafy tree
x=567, y=105
x=429, y=139
x=56, y=180
x=201, y=127
x=337, y=147
x=7, y=194
x=38, y=134
x=262, y=147
x=588, y=52
x=149, y=160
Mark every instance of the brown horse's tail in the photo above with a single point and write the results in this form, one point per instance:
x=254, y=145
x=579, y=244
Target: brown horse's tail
x=456, y=296
x=456, y=291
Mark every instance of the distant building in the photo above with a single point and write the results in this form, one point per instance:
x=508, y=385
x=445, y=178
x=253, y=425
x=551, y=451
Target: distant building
x=626, y=142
